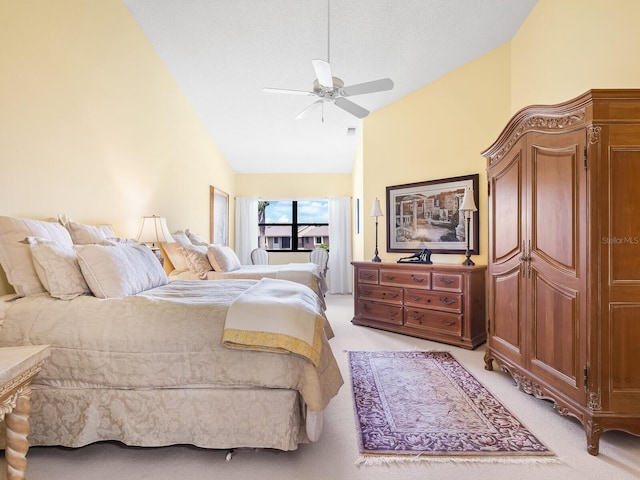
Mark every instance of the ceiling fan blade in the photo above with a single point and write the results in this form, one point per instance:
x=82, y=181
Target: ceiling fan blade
x=352, y=108
x=367, y=87
x=323, y=73
x=311, y=108
x=284, y=90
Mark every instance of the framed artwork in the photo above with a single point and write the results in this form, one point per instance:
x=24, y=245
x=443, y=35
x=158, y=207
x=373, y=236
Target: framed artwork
x=425, y=215
x=219, y=216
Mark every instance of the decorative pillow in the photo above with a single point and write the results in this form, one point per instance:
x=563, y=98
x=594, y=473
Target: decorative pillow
x=85, y=234
x=194, y=238
x=119, y=270
x=181, y=238
x=58, y=268
x=15, y=255
x=196, y=258
x=176, y=257
x=222, y=258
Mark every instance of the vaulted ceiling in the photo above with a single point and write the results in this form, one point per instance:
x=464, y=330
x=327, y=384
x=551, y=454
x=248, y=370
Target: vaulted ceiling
x=223, y=52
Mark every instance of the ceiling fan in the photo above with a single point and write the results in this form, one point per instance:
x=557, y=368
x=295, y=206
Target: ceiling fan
x=331, y=89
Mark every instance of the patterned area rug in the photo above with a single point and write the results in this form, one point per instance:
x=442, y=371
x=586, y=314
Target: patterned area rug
x=426, y=406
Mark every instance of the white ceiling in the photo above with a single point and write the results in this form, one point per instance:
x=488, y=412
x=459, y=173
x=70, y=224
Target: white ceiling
x=223, y=52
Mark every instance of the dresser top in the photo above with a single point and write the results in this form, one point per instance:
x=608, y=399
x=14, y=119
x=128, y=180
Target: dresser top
x=15, y=360
x=426, y=266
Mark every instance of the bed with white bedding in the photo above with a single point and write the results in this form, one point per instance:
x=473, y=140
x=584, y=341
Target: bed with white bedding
x=303, y=273
x=141, y=361
x=150, y=369
x=202, y=261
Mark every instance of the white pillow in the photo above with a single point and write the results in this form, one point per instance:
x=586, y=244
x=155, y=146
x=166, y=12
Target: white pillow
x=194, y=238
x=58, y=268
x=181, y=238
x=85, y=234
x=196, y=258
x=223, y=258
x=15, y=255
x=119, y=270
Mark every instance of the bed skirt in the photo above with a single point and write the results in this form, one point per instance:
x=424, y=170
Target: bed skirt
x=216, y=418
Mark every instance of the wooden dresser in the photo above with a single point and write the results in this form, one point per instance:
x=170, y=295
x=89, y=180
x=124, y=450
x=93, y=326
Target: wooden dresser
x=445, y=303
x=564, y=257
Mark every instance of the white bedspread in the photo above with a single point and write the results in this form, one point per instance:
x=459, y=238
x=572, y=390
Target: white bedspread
x=166, y=337
x=304, y=273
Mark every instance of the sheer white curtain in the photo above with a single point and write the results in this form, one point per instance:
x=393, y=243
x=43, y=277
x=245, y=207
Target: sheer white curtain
x=340, y=270
x=246, y=228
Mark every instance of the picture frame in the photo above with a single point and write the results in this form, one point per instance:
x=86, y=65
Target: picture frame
x=218, y=216
x=425, y=215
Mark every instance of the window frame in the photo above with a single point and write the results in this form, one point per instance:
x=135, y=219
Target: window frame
x=295, y=226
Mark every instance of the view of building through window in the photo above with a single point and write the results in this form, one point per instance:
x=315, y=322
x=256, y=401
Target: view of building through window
x=293, y=225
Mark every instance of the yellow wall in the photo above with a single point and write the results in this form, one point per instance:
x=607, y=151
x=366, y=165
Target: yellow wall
x=567, y=47
x=92, y=124
x=435, y=132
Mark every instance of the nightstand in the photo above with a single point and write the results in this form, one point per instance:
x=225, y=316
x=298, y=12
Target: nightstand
x=18, y=367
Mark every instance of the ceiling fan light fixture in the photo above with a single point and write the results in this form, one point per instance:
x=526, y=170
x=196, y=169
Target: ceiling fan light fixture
x=329, y=88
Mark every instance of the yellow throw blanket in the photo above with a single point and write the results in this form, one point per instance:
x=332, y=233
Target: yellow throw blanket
x=276, y=316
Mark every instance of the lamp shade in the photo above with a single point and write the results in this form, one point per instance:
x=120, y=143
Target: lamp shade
x=154, y=230
x=375, y=209
x=468, y=203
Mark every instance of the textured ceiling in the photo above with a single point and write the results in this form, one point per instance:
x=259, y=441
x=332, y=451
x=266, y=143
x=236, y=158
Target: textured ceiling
x=223, y=52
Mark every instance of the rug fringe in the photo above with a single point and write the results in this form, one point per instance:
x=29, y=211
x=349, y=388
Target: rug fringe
x=383, y=460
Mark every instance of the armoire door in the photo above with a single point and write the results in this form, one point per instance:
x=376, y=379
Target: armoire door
x=506, y=308
x=556, y=264
x=619, y=256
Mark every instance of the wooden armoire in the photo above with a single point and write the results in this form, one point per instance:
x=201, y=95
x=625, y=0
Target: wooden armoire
x=564, y=257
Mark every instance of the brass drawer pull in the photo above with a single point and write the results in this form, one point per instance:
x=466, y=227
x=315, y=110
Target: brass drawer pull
x=368, y=275
x=415, y=316
x=445, y=281
x=390, y=295
x=419, y=280
x=415, y=298
x=447, y=300
x=389, y=277
x=448, y=323
x=393, y=314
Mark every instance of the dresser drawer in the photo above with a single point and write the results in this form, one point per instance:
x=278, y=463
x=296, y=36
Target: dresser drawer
x=447, y=282
x=432, y=320
x=405, y=279
x=446, y=302
x=368, y=275
x=380, y=294
x=379, y=311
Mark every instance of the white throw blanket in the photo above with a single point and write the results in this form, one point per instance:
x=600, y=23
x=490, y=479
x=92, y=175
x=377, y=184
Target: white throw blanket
x=277, y=316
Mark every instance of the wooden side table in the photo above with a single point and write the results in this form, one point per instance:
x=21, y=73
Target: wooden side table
x=18, y=367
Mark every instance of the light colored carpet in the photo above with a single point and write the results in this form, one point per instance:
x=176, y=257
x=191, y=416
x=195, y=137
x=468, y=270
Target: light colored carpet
x=335, y=455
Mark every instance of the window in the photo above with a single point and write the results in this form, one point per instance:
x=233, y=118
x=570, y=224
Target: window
x=293, y=225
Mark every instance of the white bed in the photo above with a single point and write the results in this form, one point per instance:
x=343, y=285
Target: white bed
x=201, y=261
x=304, y=273
x=148, y=367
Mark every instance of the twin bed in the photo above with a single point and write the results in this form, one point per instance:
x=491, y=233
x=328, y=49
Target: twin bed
x=161, y=365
